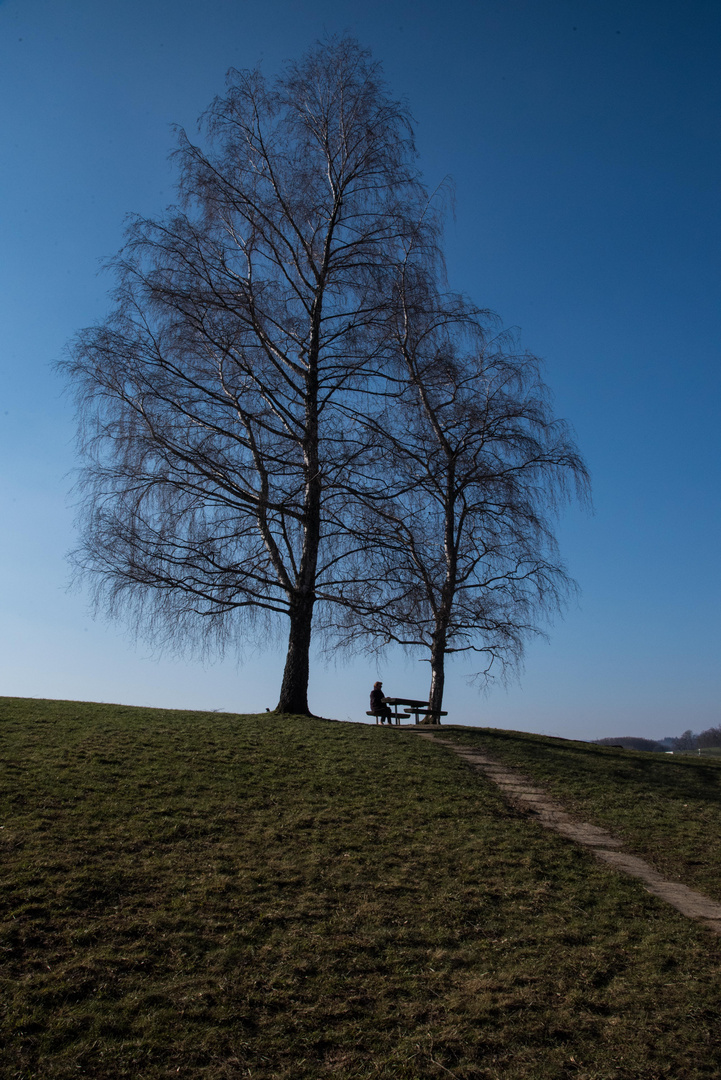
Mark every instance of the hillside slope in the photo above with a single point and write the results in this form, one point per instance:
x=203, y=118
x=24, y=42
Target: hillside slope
x=215, y=896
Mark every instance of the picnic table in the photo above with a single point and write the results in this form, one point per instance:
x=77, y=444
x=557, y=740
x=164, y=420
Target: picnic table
x=402, y=708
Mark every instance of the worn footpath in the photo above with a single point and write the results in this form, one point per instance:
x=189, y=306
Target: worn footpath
x=533, y=800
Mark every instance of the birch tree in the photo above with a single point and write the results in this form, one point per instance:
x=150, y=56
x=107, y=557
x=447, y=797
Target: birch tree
x=456, y=549
x=213, y=400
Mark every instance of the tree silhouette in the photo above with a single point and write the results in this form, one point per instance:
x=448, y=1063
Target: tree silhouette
x=214, y=399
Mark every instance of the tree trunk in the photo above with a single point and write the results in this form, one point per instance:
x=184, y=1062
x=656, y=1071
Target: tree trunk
x=438, y=677
x=439, y=642
x=294, y=688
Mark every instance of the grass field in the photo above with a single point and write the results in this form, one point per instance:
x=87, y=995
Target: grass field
x=220, y=896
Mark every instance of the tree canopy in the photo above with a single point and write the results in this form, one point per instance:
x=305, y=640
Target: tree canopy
x=457, y=551
x=287, y=415
x=213, y=398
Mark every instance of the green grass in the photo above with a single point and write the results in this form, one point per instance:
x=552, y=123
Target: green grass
x=667, y=808
x=216, y=896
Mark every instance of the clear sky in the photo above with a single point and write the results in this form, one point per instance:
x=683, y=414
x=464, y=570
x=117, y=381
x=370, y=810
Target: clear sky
x=583, y=140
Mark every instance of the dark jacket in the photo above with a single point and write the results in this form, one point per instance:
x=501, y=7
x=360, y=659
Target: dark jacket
x=377, y=701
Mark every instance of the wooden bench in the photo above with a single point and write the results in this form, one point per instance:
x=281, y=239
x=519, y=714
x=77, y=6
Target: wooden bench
x=417, y=713
x=412, y=706
x=395, y=717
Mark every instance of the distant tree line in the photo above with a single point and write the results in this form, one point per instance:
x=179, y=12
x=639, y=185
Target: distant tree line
x=685, y=743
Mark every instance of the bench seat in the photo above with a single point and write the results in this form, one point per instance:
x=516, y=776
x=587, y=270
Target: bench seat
x=417, y=713
x=393, y=718
x=397, y=717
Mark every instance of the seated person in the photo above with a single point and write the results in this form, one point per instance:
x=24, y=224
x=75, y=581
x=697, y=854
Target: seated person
x=378, y=704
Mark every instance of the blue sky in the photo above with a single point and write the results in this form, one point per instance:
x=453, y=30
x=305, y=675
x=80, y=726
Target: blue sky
x=582, y=137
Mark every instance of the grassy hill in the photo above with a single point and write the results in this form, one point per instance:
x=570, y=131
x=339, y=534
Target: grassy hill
x=216, y=896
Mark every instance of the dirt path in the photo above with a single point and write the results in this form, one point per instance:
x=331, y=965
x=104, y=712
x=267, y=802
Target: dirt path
x=523, y=794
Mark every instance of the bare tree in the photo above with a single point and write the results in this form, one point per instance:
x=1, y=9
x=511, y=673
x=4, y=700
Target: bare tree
x=213, y=400
x=457, y=550
x=686, y=742
x=710, y=737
